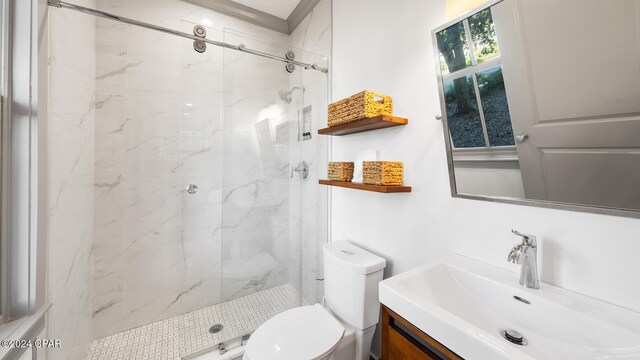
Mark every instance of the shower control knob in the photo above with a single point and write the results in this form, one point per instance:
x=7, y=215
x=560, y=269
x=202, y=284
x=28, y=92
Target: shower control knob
x=192, y=189
x=302, y=169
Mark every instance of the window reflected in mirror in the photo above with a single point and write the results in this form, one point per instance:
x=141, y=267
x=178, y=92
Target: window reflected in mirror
x=495, y=107
x=483, y=35
x=462, y=113
x=454, y=49
x=473, y=85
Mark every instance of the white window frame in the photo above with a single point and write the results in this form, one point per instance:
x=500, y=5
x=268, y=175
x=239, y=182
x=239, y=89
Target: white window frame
x=22, y=239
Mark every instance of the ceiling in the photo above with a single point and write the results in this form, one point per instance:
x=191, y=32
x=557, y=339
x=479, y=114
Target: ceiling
x=278, y=15
x=279, y=8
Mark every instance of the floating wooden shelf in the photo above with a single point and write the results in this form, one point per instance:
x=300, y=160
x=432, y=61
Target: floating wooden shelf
x=367, y=187
x=362, y=125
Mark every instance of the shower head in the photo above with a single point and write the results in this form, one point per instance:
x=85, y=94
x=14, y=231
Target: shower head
x=286, y=95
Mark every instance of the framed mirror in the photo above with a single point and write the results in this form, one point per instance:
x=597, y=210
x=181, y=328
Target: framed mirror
x=540, y=103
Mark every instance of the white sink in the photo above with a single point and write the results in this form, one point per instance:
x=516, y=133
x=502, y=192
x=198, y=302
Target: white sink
x=465, y=304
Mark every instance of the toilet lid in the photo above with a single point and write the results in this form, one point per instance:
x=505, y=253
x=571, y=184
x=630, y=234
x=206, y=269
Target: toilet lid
x=302, y=333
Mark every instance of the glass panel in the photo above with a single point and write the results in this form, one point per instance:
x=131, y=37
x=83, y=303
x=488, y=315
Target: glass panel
x=311, y=115
x=495, y=107
x=257, y=252
x=157, y=246
x=22, y=121
x=156, y=250
x=483, y=35
x=262, y=197
x=463, y=117
x=454, y=50
x=201, y=149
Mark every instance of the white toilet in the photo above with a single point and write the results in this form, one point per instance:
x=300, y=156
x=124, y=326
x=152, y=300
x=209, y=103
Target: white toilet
x=341, y=331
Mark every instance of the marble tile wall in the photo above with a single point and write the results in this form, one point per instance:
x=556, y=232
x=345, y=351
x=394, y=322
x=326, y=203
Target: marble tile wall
x=71, y=205
x=158, y=250
x=135, y=122
x=155, y=245
x=313, y=36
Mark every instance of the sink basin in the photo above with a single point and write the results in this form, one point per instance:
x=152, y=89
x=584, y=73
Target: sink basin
x=465, y=304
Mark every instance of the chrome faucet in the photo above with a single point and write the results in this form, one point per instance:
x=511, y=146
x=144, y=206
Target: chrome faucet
x=525, y=254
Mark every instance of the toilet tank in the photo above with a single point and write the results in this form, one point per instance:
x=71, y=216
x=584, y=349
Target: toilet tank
x=351, y=277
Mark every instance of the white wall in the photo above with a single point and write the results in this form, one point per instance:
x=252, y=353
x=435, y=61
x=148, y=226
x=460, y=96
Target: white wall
x=395, y=58
x=388, y=49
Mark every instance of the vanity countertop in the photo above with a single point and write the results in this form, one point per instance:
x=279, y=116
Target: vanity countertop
x=465, y=305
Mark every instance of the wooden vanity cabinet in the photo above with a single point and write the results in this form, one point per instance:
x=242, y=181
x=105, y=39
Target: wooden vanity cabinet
x=403, y=341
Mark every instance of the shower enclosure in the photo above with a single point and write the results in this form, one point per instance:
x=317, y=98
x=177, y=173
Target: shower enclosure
x=201, y=203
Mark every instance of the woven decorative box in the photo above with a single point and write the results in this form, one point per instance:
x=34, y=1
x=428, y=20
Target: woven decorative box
x=340, y=171
x=382, y=172
x=364, y=104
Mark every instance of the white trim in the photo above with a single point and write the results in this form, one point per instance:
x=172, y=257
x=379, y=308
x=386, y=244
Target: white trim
x=42, y=136
x=483, y=122
x=260, y=18
x=23, y=274
x=302, y=10
x=26, y=328
x=469, y=40
x=486, y=154
x=472, y=69
x=4, y=208
x=245, y=13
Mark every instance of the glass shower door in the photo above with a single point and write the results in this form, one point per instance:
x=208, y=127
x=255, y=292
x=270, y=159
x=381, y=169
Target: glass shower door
x=270, y=116
x=157, y=219
x=201, y=171
x=203, y=322
x=258, y=256
x=311, y=214
x=202, y=230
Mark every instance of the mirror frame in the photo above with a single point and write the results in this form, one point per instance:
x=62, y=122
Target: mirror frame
x=448, y=146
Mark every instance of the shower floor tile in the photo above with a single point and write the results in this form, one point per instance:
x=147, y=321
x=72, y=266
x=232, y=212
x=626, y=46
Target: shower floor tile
x=183, y=335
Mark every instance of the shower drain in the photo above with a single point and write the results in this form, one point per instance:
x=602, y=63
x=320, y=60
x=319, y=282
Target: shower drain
x=215, y=328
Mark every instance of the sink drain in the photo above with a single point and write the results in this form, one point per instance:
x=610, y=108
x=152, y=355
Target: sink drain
x=215, y=328
x=514, y=337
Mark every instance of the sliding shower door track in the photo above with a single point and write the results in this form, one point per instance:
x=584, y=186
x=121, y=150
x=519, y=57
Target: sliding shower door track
x=240, y=47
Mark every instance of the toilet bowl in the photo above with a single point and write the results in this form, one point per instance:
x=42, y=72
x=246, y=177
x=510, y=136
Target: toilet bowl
x=343, y=329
